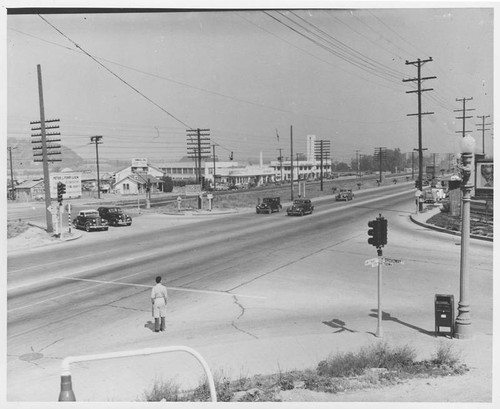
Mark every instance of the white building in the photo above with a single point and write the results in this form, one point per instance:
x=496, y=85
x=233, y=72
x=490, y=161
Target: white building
x=227, y=173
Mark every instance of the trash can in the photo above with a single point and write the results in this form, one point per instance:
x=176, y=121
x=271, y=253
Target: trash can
x=444, y=312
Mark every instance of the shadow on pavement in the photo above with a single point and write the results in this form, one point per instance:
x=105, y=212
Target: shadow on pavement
x=338, y=324
x=387, y=317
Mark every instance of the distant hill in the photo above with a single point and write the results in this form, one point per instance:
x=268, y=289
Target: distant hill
x=25, y=168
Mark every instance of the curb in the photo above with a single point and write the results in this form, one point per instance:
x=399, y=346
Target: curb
x=442, y=230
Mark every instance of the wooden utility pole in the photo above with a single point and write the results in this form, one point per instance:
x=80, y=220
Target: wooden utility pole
x=483, y=128
x=463, y=117
x=13, y=191
x=213, y=155
x=419, y=91
x=96, y=139
x=280, y=158
x=291, y=162
x=46, y=180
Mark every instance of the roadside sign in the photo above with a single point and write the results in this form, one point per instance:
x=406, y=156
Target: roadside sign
x=373, y=262
x=391, y=261
x=52, y=209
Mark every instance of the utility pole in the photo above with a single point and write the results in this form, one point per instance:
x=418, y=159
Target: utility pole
x=419, y=91
x=463, y=118
x=198, y=149
x=413, y=165
x=280, y=158
x=96, y=139
x=357, y=163
x=322, y=152
x=213, y=154
x=483, y=128
x=291, y=161
x=380, y=154
x=44, y=148
x=13, y=191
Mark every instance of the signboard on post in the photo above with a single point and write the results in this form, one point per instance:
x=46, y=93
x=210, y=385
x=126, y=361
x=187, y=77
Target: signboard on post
x=73, y=182
x=192, y=190
x=139, y=162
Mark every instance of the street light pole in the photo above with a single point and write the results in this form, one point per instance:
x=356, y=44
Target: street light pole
x=463, y=327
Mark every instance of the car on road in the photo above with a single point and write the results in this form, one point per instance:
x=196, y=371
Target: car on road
x=90, y=220
x=300, y=207
x=114, y=216
x=345, y=195
x=269, y=205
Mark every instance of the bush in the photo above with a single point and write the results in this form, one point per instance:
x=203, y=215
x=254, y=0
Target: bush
x=378, y=356
x=163, y=390
x=445, y=355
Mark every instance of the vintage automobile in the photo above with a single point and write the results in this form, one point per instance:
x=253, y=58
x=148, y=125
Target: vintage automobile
x=90, y=220
x=268, y=205
x=114, y=216
x=344, y=194
x=300, y=207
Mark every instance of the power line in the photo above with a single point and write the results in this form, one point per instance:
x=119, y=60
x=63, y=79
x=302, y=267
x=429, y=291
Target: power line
x=113, y=73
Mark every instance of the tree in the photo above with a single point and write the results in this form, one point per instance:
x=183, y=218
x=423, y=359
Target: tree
x=168, y=184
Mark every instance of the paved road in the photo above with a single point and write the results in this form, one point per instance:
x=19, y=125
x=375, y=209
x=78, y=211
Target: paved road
x=235, y=282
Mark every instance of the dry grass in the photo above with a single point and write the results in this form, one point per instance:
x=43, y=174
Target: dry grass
x=15, y=228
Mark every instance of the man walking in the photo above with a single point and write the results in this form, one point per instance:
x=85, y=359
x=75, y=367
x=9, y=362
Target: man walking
x=159, y=303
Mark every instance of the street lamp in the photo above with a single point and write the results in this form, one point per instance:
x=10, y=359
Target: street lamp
x=463, y=327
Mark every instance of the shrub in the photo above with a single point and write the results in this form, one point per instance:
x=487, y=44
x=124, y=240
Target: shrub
x=377, y=356
x=163, y=390
x=445, y=355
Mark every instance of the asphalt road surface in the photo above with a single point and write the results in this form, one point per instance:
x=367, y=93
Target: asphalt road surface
x=235, y=282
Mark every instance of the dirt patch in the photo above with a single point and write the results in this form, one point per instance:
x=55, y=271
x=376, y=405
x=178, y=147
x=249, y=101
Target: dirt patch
x=22, y=235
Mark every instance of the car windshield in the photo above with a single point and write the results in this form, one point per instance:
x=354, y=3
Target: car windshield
x=299, y=201
x=91, y=214
x=115, y=210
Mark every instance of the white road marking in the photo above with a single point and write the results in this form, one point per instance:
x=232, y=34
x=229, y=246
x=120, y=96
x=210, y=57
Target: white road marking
x=101, y=283
x=168, y=288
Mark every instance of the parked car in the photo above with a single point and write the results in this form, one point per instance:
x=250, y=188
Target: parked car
x=90, y=220
x=114, y=216
x=300, y=207
x=269, y=205
x=344, y=194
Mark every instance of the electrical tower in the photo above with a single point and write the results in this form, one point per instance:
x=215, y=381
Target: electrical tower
x=419, y=79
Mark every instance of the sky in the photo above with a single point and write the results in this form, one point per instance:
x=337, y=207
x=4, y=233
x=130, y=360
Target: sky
x=254, y=78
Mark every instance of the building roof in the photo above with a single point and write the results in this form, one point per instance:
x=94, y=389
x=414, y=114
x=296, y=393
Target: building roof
x=29, y=184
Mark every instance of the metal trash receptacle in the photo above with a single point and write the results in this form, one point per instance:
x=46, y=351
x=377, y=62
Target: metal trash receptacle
x=444, y=313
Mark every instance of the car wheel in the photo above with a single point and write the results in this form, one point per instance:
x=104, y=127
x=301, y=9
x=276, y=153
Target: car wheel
x=87, y=227
x=129, y=223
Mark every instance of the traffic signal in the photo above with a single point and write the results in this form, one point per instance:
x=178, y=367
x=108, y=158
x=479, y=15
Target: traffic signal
x=61, y=190
x=377, y=232
x=383, y=231
x=374, y=232
x=418, y=184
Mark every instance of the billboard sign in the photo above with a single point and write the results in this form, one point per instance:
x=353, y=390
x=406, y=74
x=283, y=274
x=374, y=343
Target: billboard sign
x=139, y=162
x=193, y=190
x=73, y=182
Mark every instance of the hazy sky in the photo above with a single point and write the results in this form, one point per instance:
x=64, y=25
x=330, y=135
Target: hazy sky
x=334, y=73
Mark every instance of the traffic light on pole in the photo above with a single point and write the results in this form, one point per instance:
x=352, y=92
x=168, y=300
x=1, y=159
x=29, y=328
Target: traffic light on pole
x=374, y=233
x=383, y=231
x=61, y=190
